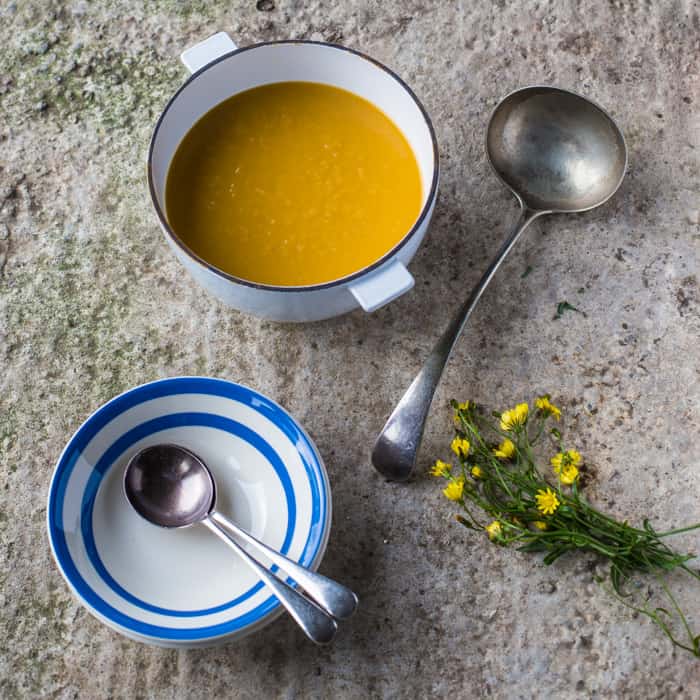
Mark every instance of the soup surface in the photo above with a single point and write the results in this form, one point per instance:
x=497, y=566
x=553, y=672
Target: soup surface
x=293, y=184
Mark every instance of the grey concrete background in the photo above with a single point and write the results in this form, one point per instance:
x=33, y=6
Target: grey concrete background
x=91, y=303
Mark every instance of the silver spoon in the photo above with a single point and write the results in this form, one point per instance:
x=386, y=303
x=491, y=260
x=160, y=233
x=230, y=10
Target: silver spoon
x=557, y=152
x=171, y=487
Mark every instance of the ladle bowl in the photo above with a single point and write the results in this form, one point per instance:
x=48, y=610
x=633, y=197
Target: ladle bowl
x=555, y=150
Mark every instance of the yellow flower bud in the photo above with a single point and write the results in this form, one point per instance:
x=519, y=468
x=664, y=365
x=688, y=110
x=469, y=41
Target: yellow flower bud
x=494, y=530
x=515, y=417
x=505, y=450
x=440, y=468
x=547, y=408
x=460, y=446
x=454, y=489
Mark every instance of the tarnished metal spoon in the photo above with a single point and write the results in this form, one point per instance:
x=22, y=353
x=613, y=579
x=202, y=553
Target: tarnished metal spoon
x=171, y=487
x=557, y=152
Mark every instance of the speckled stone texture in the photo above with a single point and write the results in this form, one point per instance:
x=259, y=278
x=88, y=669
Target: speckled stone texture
x=92, y=303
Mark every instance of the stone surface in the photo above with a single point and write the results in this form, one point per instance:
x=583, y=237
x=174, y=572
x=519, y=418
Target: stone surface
x=91, y=303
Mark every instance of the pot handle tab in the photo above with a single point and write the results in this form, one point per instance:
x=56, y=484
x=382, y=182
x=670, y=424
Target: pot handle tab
x=206, y=51
x=382, y=286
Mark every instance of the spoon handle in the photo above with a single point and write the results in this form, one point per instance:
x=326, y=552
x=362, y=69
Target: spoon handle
x=332, y=596
x=395, y=451
x=318, y=626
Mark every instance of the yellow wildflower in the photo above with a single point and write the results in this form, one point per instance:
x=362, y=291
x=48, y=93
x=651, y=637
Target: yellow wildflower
x=568, y=474
x=494, y=530
x=565, y=464
x=454, y=489
x=515, y=417
x=547, y=407
x=460, y=446
x=464, y=406
x=505, y=450
x=564, y=459
x=440, y=468
x=547, y=501
x=476, y=472
x=540, y=524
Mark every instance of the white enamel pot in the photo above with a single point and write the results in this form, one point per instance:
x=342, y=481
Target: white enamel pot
x=220, y=70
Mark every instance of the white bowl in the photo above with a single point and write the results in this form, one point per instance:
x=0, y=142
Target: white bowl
x=219, y=70
x=184, y=587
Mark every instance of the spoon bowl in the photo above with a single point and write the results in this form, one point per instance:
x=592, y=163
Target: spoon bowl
x=557, y=151
x=169, y=486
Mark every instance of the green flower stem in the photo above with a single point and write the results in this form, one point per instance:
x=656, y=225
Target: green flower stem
x=469, y=513
x=676, y=607
x=694, y=574
x=678, y=531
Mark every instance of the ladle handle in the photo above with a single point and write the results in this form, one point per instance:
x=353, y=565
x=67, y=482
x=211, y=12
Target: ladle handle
x=332, y=596
x=318, y=626
x=396, y=448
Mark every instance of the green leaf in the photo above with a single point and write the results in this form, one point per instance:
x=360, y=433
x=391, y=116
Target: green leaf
x=618, y=579
x=554, y=555
x=528, y=270
x=533, y=547
x=463, y=521
x=647, y=526
x=563, y=306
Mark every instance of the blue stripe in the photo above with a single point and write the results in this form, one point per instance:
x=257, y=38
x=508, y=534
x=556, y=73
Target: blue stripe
x=142, y=431
x=147, y=392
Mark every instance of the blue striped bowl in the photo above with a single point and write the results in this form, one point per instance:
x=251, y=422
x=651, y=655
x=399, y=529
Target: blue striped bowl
x=184, y=587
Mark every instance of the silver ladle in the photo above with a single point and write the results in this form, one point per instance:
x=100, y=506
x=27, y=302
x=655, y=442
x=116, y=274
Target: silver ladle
x=171, y=487
x=557, y=152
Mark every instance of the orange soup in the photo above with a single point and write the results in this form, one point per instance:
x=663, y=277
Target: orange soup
x=293, y=184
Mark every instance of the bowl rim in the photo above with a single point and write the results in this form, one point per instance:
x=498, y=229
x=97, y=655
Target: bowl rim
x=181, y=636
x=424, y=213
